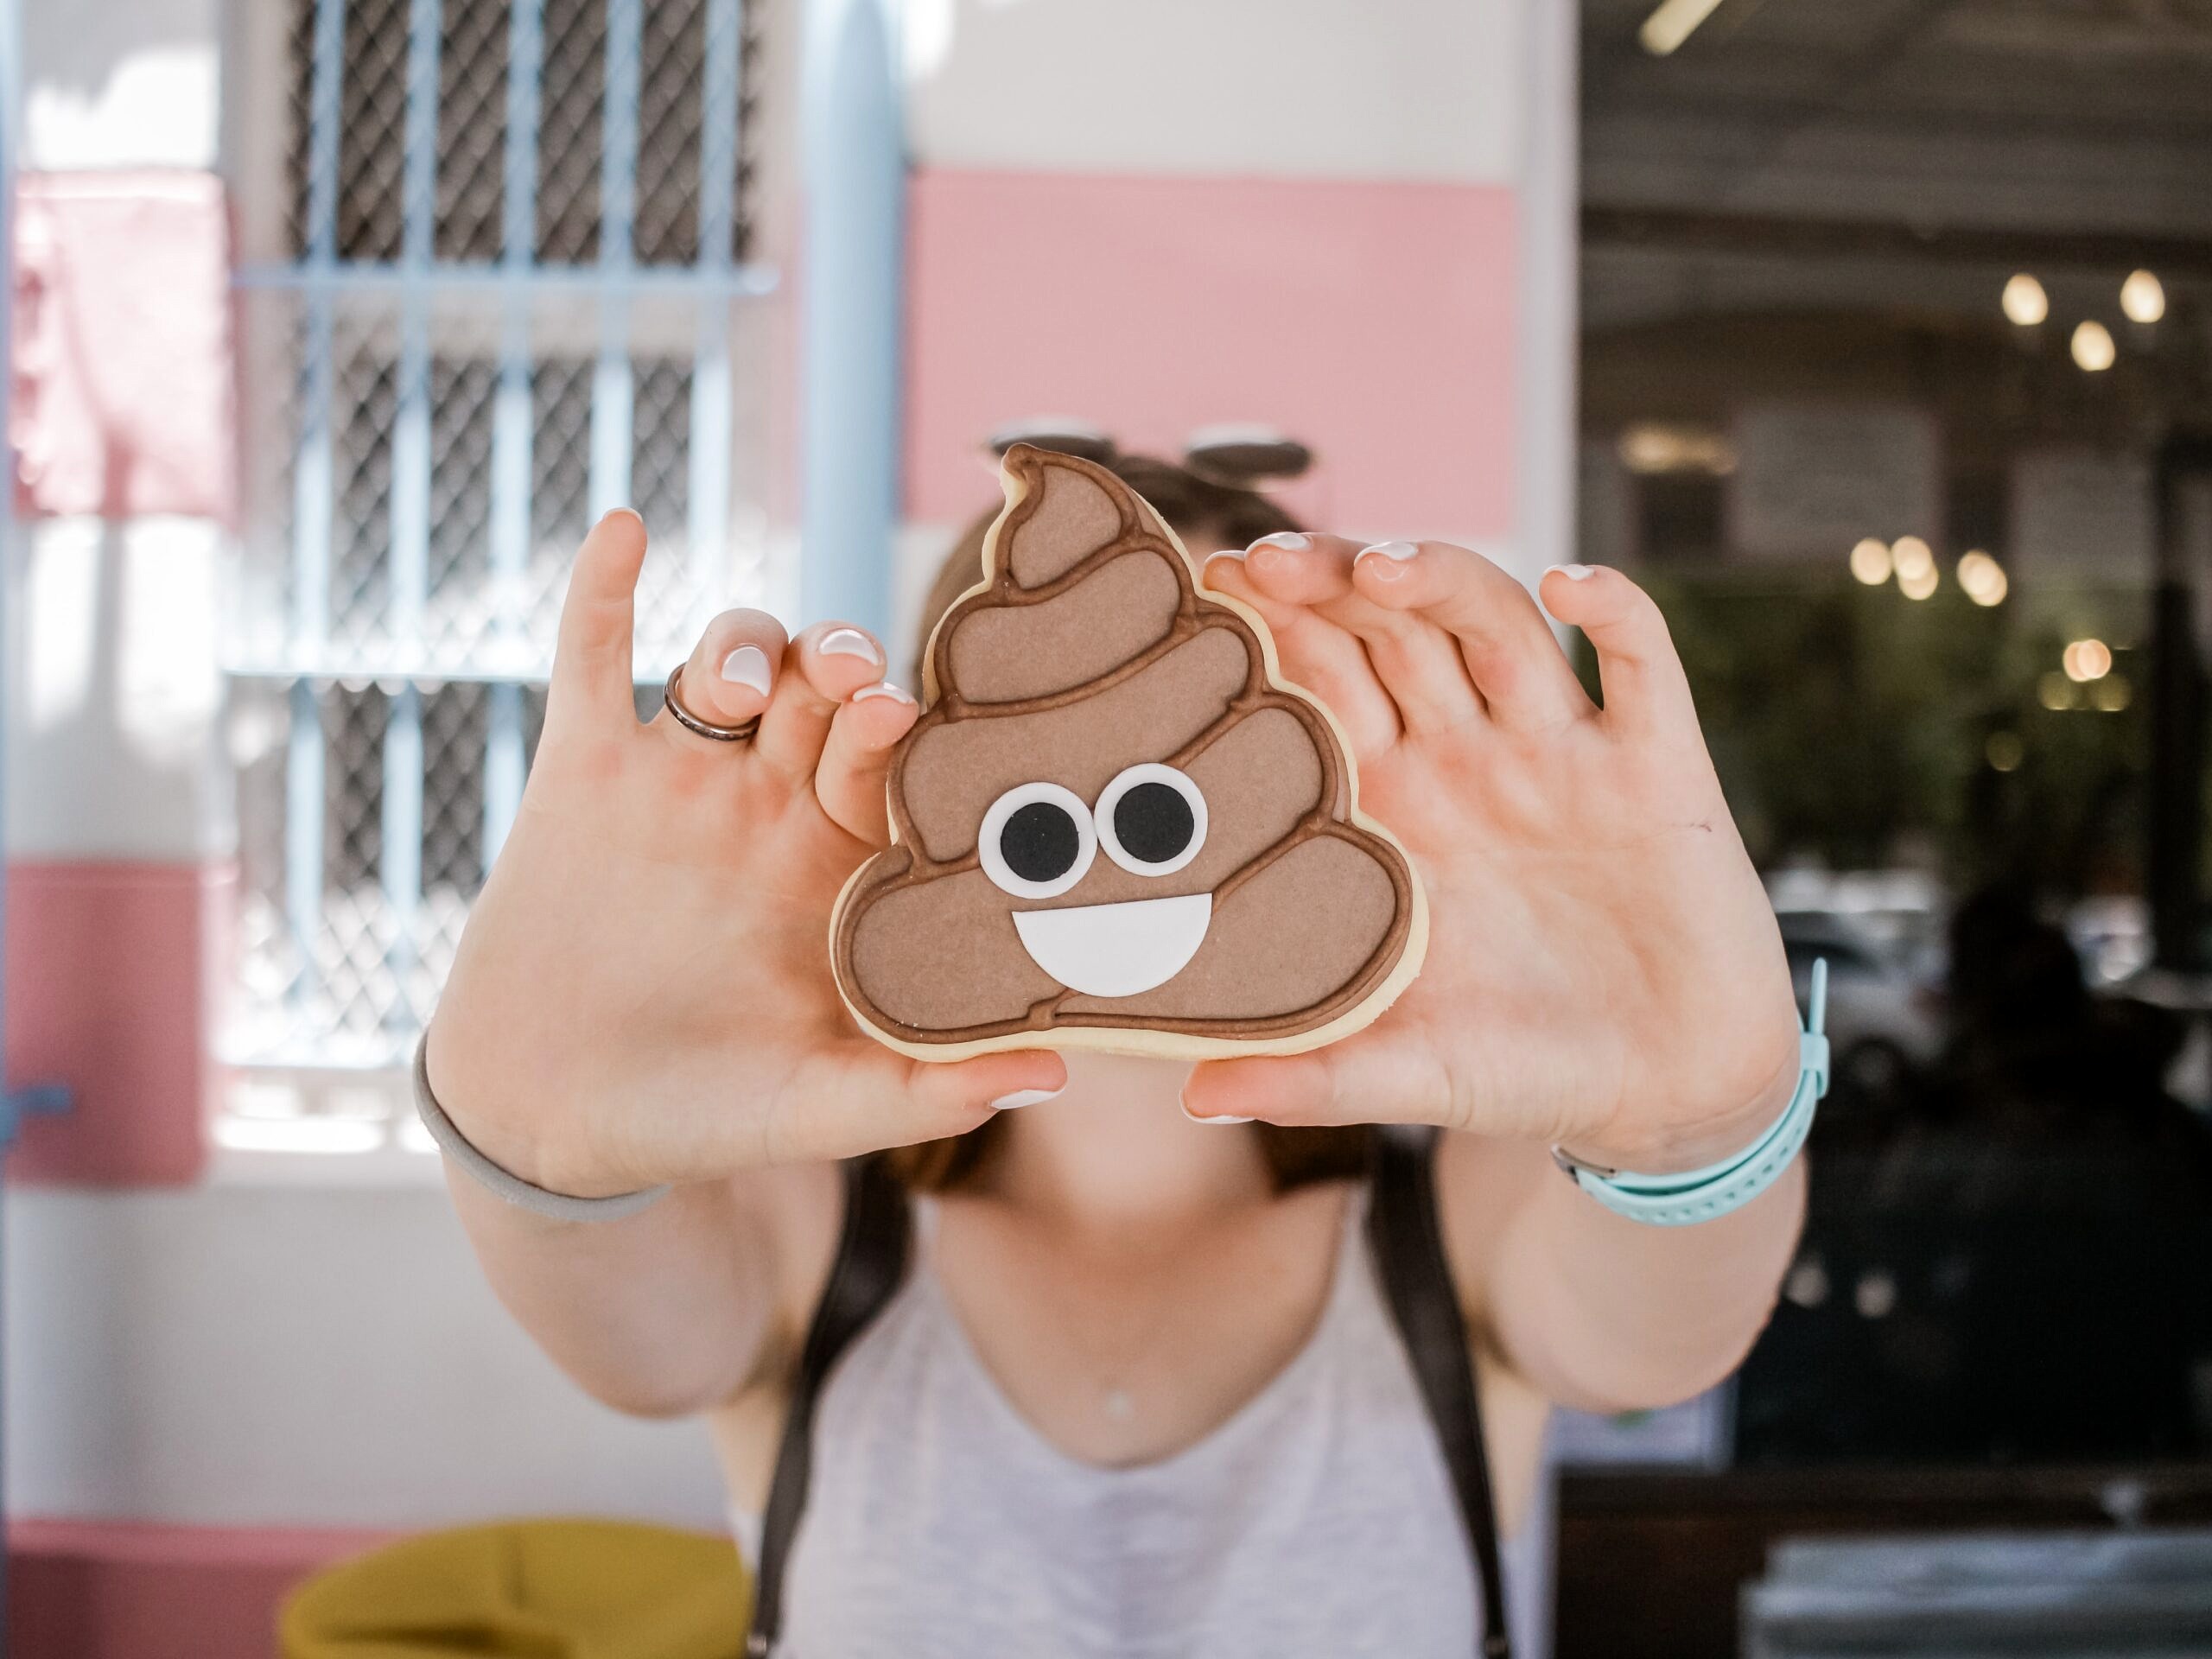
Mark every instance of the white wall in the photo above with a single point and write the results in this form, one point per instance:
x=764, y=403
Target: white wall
x=111, y=689
x=304, y=1355
x=121, y=83
x=1320, y=89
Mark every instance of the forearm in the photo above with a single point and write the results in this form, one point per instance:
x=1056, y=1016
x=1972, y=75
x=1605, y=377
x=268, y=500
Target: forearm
x=1600, y=1312
x=661, y=1313
x=1609, y=1314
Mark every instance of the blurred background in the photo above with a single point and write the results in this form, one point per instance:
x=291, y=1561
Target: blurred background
x=1876, y=339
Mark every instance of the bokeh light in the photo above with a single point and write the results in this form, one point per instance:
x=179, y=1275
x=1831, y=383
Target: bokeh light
x=2025, y=301
x=2094, y=351
x=1912, y=557
x=2086, y=660
x=1982, y=578
x=1870, y=561
x=2112, y=693
x=2005, y=751
x=2143, y=297
x=2055, y=691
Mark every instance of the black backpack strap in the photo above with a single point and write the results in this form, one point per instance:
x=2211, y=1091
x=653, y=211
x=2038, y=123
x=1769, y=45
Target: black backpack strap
x=1407, y=1240
x=871, y=1264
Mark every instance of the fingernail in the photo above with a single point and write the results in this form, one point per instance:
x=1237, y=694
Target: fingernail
x=882, y=689
x=621, y=512
x=1288, y=541
x=1195, y=1118
x=849, y=642
x=1399, y=551
x=1235, y=553
x=1574, y=572
x=1021, y=1097
x=749, y=666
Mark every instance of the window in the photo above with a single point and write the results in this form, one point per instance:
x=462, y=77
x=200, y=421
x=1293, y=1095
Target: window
x=514, y=293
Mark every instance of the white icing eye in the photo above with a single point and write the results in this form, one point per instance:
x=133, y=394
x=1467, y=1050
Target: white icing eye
x=1152, y=819
x=1036, y=841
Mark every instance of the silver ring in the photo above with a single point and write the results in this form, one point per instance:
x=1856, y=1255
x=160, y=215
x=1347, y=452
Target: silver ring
x=691, y=722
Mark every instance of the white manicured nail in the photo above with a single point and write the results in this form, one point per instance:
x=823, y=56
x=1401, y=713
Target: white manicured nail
x=1235, y=553
x=883, y=689
x=1400, y=550
x=1021, y=1097
x=849, y=642
x=1574, y=572
x=749, y=666
x=1224, y=1119
x=626, y=512
x=1289, y=540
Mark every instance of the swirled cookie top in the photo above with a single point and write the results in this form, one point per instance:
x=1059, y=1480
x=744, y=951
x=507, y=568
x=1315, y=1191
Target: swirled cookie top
x=1087, y=658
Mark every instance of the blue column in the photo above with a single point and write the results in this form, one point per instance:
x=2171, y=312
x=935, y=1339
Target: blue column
x=851, y=262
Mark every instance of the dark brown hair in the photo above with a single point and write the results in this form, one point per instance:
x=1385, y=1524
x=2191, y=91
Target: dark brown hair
x=1237, y=516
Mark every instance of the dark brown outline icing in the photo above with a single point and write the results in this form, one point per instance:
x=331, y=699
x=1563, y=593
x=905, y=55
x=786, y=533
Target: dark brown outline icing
x=903, y=864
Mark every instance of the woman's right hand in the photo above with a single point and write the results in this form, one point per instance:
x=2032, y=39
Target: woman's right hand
x=643, y=992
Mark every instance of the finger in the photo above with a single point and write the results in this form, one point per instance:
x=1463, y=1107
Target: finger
x=729, y=675
x=1645, y=688
x=1374, y=1077
x=850, y=781
x=857, y=1099
x=1315, y=653
x=823, y=667
x=591, y=656
x=1524, y=677
x=1419, y=664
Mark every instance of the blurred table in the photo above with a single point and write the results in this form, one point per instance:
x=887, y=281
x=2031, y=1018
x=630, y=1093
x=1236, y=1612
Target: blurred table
x=1652, y=1563
x=2144, y=1593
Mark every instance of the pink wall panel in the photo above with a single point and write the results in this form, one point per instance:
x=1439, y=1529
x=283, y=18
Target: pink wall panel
x=110, y=1590
x=104, y=980
x=122, y=346
x=1374, y=320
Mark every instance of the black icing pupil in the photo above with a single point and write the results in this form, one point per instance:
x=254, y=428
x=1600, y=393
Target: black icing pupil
x=1154, y=822
x=1039, y=841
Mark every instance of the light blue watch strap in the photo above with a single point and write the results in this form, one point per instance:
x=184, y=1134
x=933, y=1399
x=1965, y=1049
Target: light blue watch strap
x=1702, y=1194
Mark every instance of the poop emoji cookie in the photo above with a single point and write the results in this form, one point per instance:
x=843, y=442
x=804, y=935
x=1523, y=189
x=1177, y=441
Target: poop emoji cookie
x=1114, y=826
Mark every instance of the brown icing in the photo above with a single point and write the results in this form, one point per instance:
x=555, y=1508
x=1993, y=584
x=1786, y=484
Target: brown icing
x=1089, y=649
x=1080, y=514
x=1146, y=711
x=1003, y=653
x=897, y=950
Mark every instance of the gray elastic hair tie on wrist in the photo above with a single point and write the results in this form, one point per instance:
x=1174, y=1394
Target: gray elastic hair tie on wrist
x=504, y=1184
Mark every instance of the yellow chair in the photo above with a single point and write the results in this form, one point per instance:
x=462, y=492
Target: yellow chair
x=528, y=1590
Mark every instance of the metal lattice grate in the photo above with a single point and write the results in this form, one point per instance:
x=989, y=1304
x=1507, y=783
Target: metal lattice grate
x=438, y=414
x=354, y=719
x=474, y=42
x=370, y=150
x=472, y=129
x=668, y=137
x=461, y=606
x=359, y=593
x=569, y=150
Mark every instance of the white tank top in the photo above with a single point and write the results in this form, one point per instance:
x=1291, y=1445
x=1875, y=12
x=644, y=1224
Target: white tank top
x=1318, y=1519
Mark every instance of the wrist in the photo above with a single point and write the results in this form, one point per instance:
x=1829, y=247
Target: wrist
x=1693, y=1141
x=522, y=1143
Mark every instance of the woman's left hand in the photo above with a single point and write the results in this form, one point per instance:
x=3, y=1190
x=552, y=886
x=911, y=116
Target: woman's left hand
x=1603, y=970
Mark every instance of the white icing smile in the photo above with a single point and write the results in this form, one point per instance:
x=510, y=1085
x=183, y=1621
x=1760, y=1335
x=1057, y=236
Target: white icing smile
x=1116, y=950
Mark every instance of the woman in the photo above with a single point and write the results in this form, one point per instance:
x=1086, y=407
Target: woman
x=1137, y=1393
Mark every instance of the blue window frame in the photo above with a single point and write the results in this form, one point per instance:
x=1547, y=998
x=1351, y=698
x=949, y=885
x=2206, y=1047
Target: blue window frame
x=516, y=296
